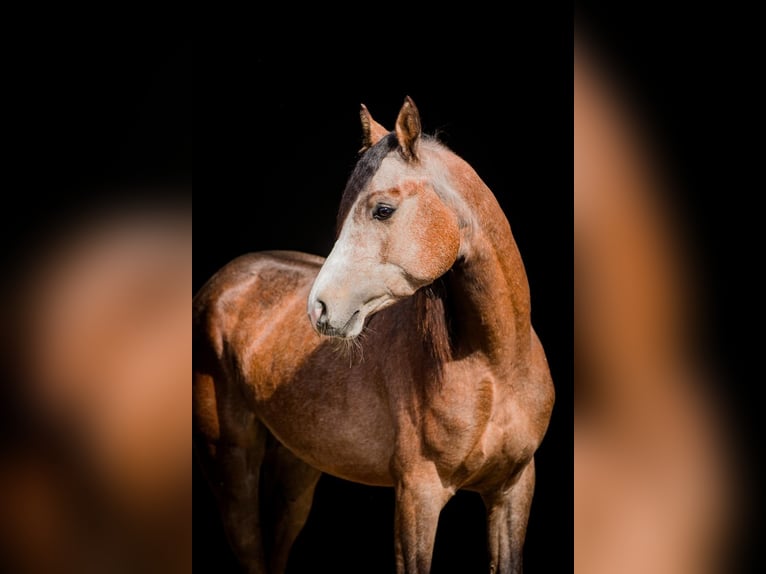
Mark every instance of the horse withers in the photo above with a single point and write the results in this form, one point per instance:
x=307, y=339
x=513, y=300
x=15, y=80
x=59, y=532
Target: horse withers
x=417, y=366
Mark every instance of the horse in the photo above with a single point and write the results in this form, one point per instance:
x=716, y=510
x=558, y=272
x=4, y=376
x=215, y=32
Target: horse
x=405, y=359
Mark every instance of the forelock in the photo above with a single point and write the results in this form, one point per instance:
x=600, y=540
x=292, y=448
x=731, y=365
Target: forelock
x=365, y=169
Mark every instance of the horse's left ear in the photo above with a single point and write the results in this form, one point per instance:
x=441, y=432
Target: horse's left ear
x=408, y=129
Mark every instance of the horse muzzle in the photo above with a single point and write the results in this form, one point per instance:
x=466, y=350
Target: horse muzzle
x=325, y=322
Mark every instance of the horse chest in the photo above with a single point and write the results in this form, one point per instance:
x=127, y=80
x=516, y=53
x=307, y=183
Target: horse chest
x=471, y=427
x=451, y=421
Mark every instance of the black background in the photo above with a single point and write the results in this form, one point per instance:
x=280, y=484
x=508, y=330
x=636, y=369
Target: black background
x=99, y=111
x=97, y=104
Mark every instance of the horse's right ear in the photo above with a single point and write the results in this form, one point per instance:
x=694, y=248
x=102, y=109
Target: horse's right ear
x=408, y=129
x=372, y=131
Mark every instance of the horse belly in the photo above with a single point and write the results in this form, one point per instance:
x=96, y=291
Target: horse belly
x=349, y=438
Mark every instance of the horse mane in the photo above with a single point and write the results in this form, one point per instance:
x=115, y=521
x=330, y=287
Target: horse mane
x=433, y=324
x=365, y=168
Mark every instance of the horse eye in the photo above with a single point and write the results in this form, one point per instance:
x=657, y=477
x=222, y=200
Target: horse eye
x=382, y=212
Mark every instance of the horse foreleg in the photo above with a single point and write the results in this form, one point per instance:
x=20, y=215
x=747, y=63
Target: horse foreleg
x=508, y=513
x=287, y=492
x=420, y=498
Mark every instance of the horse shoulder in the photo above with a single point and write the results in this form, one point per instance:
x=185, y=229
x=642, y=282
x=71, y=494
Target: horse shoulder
x=487, y=420
x=456, y=418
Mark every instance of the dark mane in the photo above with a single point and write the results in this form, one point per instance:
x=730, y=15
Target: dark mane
x=365, y=168
x=433, y=322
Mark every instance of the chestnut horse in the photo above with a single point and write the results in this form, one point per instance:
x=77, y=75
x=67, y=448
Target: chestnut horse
x=443, y=385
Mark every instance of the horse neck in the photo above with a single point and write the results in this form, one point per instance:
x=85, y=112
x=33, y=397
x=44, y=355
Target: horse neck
x=488, y=285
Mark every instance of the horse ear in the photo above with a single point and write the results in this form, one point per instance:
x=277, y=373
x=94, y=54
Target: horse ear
x=408, y=129
x=372, y=131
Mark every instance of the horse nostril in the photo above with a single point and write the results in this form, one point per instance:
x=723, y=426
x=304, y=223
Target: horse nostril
x=319, y=313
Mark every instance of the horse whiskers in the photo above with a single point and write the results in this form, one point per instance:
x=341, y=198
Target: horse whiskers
x=351, y=348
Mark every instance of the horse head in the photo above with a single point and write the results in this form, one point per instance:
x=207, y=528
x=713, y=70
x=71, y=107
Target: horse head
x=396, y=232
